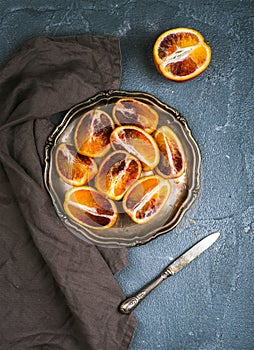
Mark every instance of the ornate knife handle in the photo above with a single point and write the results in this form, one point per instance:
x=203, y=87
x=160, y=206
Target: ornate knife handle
x=128, y=305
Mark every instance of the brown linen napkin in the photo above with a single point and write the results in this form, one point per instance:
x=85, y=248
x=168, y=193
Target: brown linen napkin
x=56, y=291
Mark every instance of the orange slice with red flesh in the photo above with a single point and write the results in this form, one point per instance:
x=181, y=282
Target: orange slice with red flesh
x=172, y=158
x=181, y=54
x=92, y=133
x=129, y=111
x=146, y=198
x=117, y=173
x=88, y=207
x=73, y=168
x=137, y=142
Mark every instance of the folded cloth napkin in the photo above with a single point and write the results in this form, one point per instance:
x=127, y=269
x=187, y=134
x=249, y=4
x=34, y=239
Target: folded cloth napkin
x=56, y=291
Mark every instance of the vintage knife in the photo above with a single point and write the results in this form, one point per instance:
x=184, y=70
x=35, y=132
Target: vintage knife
x=131, y=303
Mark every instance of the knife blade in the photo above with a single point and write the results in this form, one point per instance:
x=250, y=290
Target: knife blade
x=128, y=305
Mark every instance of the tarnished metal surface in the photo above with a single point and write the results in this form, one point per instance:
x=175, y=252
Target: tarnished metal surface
x=184, y=191
x=131, y=303
x=193, y=253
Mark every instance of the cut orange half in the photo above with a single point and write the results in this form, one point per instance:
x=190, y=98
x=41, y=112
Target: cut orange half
x=137, y=142
x=92, y=133
x=90, y=208
x=73, y=168
x=181, y=54
x=117, y=173
x=146, y=198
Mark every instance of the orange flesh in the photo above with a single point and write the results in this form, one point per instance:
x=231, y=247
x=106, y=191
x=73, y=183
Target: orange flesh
x=73, y=167
x=133, y=112
x=90, y=208
x=121, y=176
x=136, y=143
x=88, y=218
x=146, y=199
x=173, y=42
x=117, y=173
x=181, y=54
x=171, y=158
x=92, y=134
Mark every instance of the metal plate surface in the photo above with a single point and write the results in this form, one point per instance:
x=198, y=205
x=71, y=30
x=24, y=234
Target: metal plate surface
x=126, y=232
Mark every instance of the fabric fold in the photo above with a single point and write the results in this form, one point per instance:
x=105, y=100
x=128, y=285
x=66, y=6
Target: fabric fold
x=57, y=289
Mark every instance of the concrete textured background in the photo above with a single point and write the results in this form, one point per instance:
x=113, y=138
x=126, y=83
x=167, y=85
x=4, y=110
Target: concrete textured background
x=210, y=304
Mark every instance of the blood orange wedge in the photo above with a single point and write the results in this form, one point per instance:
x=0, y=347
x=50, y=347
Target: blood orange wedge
x=92, y=133
x=181, y=54
x=90, y=208
x=128, y=111
x=117, y=173
x=172, y=159
x=75, y=169
x=137, y=142
x=146, y=198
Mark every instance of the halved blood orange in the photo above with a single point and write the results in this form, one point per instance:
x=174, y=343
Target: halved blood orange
x=172, y=158
x=88, y=207
x=137, y=142
x=146, y=198
x=92, y=133
x=75, y=169
x=117, y=173
x=129, y=111
x=181, y=54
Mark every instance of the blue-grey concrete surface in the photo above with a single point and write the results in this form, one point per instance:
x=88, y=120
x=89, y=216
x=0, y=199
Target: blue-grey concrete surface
x=210, y=304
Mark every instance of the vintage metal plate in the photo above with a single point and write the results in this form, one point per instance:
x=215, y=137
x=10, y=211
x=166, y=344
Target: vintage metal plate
x=125, y=232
